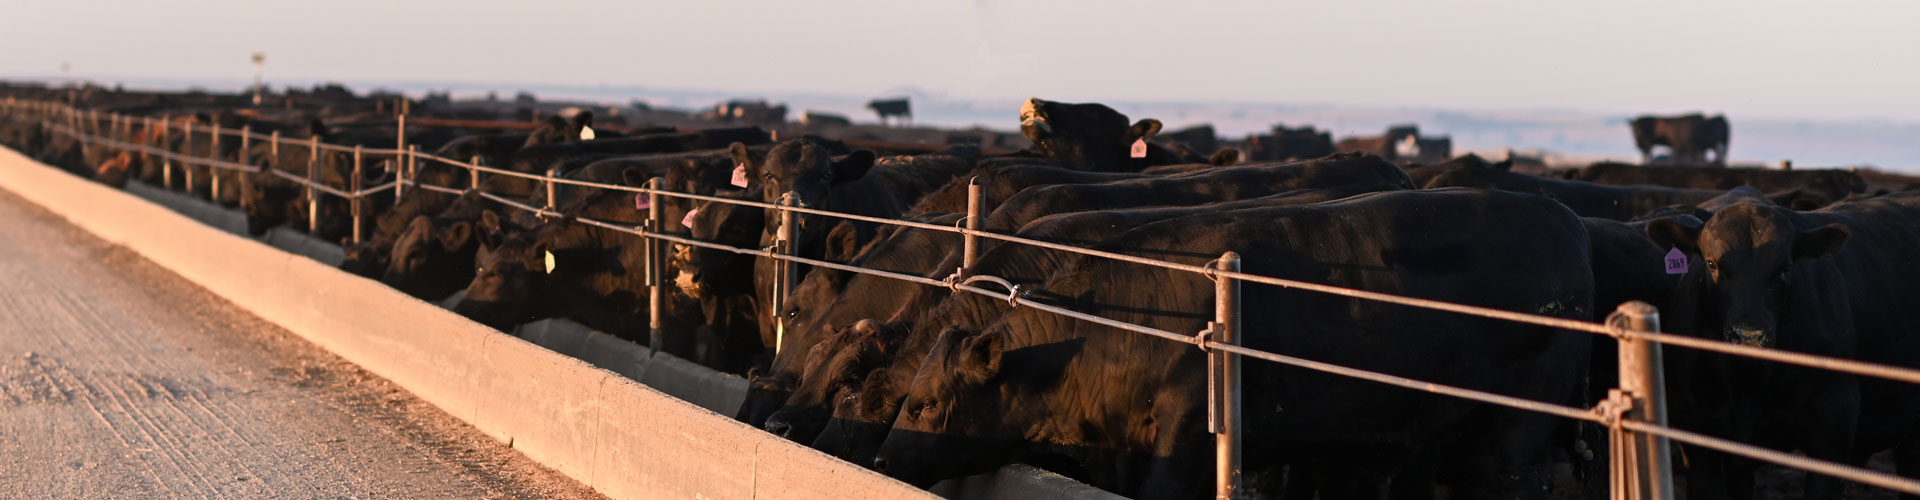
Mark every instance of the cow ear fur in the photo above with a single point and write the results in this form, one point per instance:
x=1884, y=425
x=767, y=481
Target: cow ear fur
x=456, y=235
x=489, y=229
x=1226, y=158
x=1681, y=232
x=980, y=355
x=1821, y=241
x=854, y=166
x=1504, y=166
x=1146, y=128
x=878, y=382
x=742, y=156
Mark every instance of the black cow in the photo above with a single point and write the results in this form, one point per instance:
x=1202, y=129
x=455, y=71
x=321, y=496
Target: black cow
x=1290, y=144
x=1093, y=137
x=434, y=256
x=1002, y=180
x=1831, y=282
x=896, y=108
x=863, y=403
x=1218, y=184
x=1834, y=184
x=1033, y=379
x=1197, y=140
x=1690, y=137
x=1586, y=199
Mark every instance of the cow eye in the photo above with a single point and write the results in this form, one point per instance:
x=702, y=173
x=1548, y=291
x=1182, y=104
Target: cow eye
x=1713, y=266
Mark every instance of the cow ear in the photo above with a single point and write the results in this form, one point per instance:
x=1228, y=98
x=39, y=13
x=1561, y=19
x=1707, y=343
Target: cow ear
x=315, y=128
x=1504, y=166
x=1821, y=241
x=1226, y=158
x=854, y=166
x=456, y=236
x=634, y=177
x=1681, y=232
x=580, y=121
x=489, y=229
x=980, y=355
x=878, y=382
x=743, y=157
x=1144, y=129
x=842, y=242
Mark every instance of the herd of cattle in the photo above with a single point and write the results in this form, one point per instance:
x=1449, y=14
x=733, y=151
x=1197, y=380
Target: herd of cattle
x=923, y=383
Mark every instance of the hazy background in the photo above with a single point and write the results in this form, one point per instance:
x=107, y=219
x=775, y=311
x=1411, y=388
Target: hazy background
x=1828, y=82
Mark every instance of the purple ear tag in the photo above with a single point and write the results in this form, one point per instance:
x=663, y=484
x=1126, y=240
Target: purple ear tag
x=1139, y=148
x=1676, y=261
x=641, y=201
x=740, y=175
x=688, y=220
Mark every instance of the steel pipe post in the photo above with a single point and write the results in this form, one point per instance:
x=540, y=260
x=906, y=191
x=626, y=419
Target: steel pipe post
x=313, y=195
x=656, y=267
x=970, y=251
x=553, y=191
x=783, y=269
x=1643, y=466
x=1223, y=379
x=186, y=150
x=358, y=201
x=213, y=172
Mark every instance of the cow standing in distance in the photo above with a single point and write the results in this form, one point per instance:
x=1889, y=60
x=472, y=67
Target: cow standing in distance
x=1689, y=136
x=897, y=108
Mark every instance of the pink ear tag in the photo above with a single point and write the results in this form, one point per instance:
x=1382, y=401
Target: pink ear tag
x=740, y=175
x=641, y=201
x=1139, y=148
x=1676, y=261
x=688, y=220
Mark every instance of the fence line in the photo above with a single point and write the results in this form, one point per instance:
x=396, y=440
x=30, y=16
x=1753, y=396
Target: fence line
x=1625, y=413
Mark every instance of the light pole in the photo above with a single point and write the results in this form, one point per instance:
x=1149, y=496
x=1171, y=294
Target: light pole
x=259, y=60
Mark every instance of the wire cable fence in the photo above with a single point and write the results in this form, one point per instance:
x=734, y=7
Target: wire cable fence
x=1634, y=412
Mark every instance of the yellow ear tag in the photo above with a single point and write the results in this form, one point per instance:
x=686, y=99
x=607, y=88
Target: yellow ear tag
x=549, y=262
x=586, y=133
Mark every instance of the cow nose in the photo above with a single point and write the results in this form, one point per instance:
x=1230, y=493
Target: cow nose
x=779, y=427
x=1743, y=334
x=880, y=464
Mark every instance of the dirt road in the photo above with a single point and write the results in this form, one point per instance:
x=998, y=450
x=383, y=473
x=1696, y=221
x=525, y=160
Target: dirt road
x=119, y=379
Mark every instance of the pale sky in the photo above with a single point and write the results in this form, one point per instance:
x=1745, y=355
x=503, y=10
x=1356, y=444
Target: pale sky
x=1784, y=59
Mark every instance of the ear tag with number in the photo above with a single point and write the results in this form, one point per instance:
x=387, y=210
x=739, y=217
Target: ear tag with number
x=688, y=220
x=740, y=175
x=1139, y=148
x=549, y=262
x=1676, y=261
x=586, y=133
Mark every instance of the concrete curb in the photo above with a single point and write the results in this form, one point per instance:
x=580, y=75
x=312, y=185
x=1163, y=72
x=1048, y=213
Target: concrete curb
x=621, y=438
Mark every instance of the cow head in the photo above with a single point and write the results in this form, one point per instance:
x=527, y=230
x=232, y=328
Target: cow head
x=864, y=408
x=1751, y=255
x=808, y=171
x=431, y=258
x=706, y=272
x=952, y=422
x=557, y=130
x=509, y=270
x=834, y=367
x=1088, y=136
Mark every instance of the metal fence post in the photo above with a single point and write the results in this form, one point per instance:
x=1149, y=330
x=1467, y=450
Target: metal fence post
x=473, y=175
x=166, y=162
x=1642, y=468
x=186, y=150
x=656, y=267
x=783, y=269
x=553, y=192
x=358, y=201
x=313, y=195
x=1223, y=379
x=970, y=251
x=402, y=170
x=213, y=171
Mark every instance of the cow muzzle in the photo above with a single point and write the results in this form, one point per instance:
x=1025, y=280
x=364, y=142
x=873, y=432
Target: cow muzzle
x=1743, y=335
x=688, y=282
